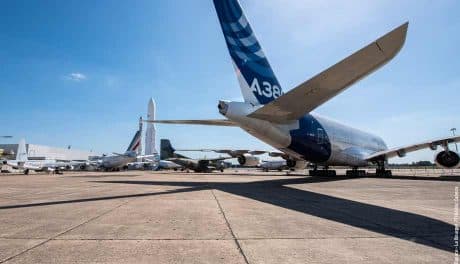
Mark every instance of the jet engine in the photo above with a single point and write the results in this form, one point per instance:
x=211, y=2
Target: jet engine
x=248, y=160
x=447, y=159
x=296, y=164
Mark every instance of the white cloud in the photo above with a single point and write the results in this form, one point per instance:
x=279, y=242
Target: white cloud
x=76, y=77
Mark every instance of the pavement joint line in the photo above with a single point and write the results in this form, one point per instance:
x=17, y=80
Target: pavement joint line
x=238, y=245
x=217, y=239
x=63, y=232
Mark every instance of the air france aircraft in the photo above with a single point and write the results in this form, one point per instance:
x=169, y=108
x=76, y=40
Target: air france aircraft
x=284, y=120
x=120, y=161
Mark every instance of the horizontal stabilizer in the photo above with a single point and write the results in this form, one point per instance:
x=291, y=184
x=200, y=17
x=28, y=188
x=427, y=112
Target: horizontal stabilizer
x=324, y=86
x=207, y=122
x=232, y=152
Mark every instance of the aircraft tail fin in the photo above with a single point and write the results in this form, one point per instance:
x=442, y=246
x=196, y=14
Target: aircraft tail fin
x=135, y=142
x=167, y=151
x=22, y=151
x=258, y=83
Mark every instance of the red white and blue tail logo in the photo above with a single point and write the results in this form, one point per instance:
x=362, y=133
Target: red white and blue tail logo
x=136, y=142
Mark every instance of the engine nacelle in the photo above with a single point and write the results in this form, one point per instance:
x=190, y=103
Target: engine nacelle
x=447, y=159
x=296, y=164
x=248, y=160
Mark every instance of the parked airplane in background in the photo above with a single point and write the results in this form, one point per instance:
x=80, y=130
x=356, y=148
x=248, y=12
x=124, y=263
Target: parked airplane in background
x=278, y=165
x=120, y=161
x=244, y=157
x=169, y=165
x=167, y=153
x=23, y=163
x=285, y=121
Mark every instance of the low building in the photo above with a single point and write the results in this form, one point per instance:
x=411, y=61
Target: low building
x=41, y=152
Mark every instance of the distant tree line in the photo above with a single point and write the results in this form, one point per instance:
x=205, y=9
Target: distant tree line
x=421, y=163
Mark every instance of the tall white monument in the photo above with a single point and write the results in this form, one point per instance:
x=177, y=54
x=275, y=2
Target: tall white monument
x=151, y=130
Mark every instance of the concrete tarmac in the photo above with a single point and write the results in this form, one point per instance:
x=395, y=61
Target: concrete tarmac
x=232, y=217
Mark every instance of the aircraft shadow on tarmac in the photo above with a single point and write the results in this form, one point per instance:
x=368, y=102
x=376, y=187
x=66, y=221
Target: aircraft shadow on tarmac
x=404, y=225
x=390, y=222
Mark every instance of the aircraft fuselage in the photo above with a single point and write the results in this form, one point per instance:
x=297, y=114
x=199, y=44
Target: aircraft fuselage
x=312, y=138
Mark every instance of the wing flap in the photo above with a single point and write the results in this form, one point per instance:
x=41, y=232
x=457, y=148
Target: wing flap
x=401, y=151
x=314, y=92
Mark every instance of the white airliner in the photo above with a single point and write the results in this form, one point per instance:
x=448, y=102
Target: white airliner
x=285, y=121
x=23, y=163
x=278, y=165
x=121, y=160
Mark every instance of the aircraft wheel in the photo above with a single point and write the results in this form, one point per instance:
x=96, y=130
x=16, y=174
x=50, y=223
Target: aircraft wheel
x=383, y=173
x=26, y=171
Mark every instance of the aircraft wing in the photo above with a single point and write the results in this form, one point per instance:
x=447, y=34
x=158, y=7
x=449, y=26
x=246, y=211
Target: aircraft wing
x=209, y=122
x=237, y=152
x=147, y=156
x=231, y=152
x=401, y=151
x=314, y=92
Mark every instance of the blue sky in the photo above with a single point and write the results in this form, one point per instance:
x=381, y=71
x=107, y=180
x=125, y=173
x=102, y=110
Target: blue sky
x=80, y=73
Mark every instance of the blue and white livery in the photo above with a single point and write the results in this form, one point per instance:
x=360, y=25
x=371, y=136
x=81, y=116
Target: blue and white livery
x=285, y=121
x=257, y=81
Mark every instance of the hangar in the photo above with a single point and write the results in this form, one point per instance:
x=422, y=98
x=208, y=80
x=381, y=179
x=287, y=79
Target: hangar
x=42, y=152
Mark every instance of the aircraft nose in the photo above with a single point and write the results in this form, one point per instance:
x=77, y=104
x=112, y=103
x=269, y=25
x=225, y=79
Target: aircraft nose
x=223, y=107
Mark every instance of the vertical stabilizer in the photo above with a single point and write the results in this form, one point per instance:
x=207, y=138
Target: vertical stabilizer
x=22, y=151
x=257, y=81
x=150, y=132
x=135, y=143
x=167, y=151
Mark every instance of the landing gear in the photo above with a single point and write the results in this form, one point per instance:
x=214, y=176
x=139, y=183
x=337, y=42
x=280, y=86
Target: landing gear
x=322, y=173
x=26, y=171
x=356, y=173
x=381, y=171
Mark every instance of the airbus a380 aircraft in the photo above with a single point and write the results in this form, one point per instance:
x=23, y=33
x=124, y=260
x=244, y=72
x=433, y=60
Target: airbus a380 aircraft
x=285, y=121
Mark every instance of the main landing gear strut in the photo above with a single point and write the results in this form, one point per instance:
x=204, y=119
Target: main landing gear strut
x=381, y=171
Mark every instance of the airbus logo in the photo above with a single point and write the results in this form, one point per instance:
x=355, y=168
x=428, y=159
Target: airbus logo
x=267, y=89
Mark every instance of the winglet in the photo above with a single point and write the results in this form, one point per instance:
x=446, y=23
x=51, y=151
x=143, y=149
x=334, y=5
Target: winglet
x=392, y=43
